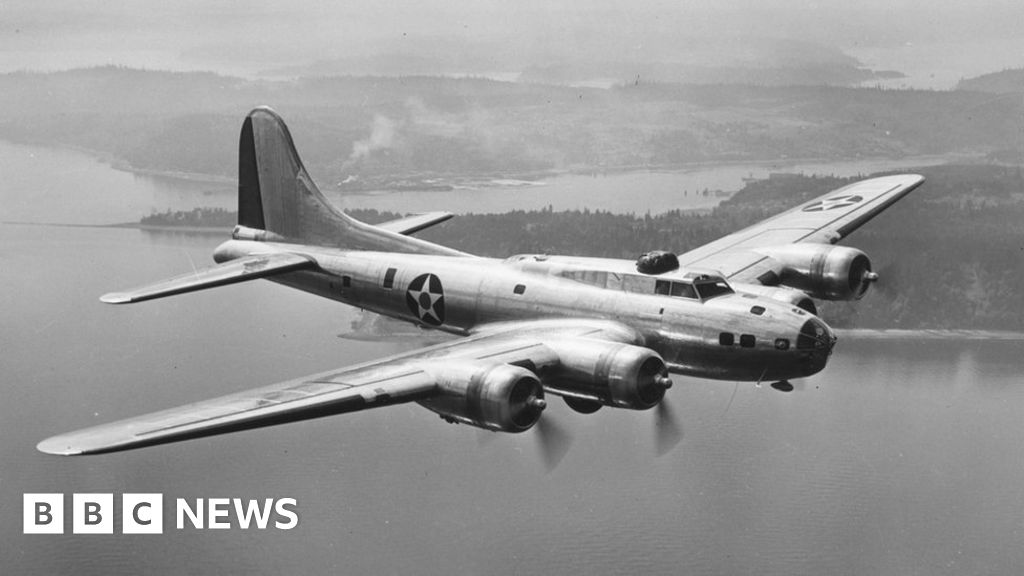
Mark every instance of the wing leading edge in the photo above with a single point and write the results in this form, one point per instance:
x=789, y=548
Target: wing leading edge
x=826, y=220
x=238, y=270
x=415, y=222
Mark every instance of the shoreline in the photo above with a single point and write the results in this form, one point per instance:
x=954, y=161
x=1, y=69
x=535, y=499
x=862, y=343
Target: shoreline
x=535, y=177
x=930, y=334
x=130, y=226
x=783, y=164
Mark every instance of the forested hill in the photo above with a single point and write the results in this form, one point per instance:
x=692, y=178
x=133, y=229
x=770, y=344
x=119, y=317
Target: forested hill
x=418, y=128
x=951, y=254
x=1004, y=82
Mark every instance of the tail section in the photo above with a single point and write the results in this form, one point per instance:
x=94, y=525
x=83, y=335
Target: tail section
x=276, y=194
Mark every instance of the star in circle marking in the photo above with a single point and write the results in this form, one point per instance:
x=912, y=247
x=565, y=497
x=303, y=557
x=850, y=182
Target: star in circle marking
x=833, y=203
x=425, y=298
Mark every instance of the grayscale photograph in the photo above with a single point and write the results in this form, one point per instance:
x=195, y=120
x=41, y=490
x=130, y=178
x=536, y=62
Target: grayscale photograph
x=539, y=287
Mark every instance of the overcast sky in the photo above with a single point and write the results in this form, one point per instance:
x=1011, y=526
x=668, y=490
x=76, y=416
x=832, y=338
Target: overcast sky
x=233, y=36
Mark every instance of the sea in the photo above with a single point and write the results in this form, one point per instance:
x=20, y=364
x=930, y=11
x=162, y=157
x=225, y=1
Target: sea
x=902, y=457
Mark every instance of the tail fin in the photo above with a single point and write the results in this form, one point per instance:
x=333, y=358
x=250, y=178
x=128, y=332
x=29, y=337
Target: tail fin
x=276, y=194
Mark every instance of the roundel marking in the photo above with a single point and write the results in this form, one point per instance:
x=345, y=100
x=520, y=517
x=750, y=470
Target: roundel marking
x=425, y=298
x=833, y=203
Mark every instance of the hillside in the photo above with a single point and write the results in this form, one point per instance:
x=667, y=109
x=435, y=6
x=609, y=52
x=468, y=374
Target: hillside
x=378, y=131
x=1003, y=82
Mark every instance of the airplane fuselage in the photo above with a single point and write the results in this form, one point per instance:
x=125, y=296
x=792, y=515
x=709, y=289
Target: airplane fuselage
x=731, y=337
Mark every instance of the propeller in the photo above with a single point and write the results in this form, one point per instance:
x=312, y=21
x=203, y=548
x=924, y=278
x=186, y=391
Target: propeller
x=554, y=442
x=667, y=431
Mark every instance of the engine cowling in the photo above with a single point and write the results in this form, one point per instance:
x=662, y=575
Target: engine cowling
x=824, y=271
x=615, y=374
x=796, y=298
x=497, y=397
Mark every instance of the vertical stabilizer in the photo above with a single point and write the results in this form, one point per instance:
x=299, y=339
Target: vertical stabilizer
x=276, y=194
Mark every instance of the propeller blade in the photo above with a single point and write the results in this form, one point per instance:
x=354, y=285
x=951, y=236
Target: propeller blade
x=667, y=430
x=554, y=442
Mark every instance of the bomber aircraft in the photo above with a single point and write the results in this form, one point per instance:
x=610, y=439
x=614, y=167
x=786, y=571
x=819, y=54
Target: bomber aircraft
x=597, y=332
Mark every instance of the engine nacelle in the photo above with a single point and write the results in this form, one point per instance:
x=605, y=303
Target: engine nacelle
x=615, y=374
x=498, y=397
x=824, y=271
x=790, y=296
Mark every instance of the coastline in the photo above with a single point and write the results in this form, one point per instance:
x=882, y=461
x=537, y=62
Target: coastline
x=204, y=230
x=445, y=182
x=931, y=334
x=429, y=182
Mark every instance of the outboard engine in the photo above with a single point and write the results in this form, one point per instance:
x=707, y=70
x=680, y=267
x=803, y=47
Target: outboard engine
x=824, y=271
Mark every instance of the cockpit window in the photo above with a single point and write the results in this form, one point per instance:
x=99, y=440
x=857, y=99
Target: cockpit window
x=708, y=290
x=678, y=289
x=684, y=290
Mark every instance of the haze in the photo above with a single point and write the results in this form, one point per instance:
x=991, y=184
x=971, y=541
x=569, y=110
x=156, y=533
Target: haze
x=933, y=43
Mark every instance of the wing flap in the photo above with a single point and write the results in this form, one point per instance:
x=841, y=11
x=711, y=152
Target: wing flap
x=234, y=271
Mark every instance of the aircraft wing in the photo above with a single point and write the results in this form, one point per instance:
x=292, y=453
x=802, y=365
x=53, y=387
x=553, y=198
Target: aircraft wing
x=414, y=222
x=397, y=379
x=826, y=219
x=239, y=270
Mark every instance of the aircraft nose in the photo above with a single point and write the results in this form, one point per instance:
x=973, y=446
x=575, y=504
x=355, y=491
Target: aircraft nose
x=814, y=343
x=815, y=335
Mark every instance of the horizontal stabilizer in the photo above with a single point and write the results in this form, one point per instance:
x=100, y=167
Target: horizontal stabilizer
x=415, y=222
x=240, y=270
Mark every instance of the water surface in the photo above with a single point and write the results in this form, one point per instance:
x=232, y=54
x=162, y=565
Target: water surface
x=902, y=457
x=70, y=187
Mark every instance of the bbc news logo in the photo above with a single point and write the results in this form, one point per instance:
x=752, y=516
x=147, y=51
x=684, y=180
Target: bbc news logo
x=94, y=513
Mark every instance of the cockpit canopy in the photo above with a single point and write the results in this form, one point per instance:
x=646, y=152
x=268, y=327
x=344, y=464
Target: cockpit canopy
x=694, y=285
x=610, y=274
x=700, y=286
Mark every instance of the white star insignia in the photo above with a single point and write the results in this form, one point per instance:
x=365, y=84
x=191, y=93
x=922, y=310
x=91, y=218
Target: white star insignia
x=431, y=298
x=425, y=297
x=831, y=203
